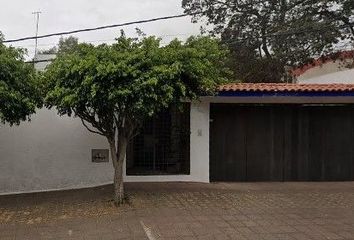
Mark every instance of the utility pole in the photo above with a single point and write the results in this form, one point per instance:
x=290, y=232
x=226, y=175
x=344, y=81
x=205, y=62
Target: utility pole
x=37, y=13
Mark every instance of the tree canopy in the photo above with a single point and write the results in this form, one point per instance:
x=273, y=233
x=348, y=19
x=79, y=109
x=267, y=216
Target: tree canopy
x=268, y=36
x=18, y=89
x=113, y=88
x=64, y=45
x=339, y=12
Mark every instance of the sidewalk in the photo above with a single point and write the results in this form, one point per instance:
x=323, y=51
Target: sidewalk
x=184, y=211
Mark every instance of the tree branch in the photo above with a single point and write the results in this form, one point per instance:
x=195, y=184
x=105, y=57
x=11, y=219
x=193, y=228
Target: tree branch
x=344, y=19
x=93, y=122
x=93, y=131
x=264, y=41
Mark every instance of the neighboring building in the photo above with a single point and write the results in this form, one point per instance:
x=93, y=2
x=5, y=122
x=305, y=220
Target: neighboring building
x=42, y=61
x=334, y=68
x=344, y=76
x=248, y=132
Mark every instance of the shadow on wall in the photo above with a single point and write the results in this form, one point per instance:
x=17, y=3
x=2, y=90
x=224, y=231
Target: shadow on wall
x=50, y=153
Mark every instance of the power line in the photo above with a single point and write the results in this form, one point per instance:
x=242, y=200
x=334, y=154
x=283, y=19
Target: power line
x=276, y=34
x=102, y=40
x=94, y=41
x=284, y=33
x=98, y=28
x=239, y=40
x=147, y=21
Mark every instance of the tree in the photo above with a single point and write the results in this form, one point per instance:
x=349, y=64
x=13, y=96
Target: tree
x=340, y=12
x=64, y=45
x=113, y=88
x=53, y=50
x=272, y=35
x=18, y=89
x=67, y=44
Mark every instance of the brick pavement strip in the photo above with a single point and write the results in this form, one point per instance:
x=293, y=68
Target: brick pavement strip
x=185, y=211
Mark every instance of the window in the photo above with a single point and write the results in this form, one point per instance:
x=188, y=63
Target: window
x=162, y=147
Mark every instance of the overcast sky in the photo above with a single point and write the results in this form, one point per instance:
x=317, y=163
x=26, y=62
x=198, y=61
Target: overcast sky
x=16, y=19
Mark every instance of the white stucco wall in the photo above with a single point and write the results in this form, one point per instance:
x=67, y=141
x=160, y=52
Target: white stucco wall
x=324, y=69
x=50, y=153
x=345, y=77
x=54, y=153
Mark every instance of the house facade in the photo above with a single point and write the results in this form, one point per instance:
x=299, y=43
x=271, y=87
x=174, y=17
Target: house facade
x=53, y=152
x=248, y=132
x=334, y=68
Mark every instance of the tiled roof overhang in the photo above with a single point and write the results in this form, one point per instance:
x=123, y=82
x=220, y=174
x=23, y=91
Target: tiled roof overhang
x=343, y=55
x=285, y=89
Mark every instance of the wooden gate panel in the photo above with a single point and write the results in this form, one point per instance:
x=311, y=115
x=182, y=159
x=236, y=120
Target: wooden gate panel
x=339, y=138
x=264, y=142
x=289, y=143
x=316, y=148
x=290, y=148
x=227, y=144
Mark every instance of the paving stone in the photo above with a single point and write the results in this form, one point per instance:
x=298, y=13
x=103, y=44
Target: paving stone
x=295, y=211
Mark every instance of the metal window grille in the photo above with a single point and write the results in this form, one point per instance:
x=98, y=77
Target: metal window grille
x=163, y=146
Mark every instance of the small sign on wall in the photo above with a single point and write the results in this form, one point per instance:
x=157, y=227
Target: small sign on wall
x=100, y=155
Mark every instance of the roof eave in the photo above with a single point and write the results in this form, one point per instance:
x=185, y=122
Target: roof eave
x=285, y=94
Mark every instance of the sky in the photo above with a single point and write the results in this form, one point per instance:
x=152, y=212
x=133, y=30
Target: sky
x=17, y=20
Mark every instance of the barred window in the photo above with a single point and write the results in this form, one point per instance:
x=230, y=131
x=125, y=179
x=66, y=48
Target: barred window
x=163, y=146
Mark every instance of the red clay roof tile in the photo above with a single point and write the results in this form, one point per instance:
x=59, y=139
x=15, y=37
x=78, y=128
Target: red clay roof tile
x=285, y=87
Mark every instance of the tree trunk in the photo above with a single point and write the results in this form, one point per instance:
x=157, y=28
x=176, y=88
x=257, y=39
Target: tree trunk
x=264, y=40
x=118, y=186
x=118, y=155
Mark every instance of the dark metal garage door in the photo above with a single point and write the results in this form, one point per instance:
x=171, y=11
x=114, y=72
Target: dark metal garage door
x=281, y=143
